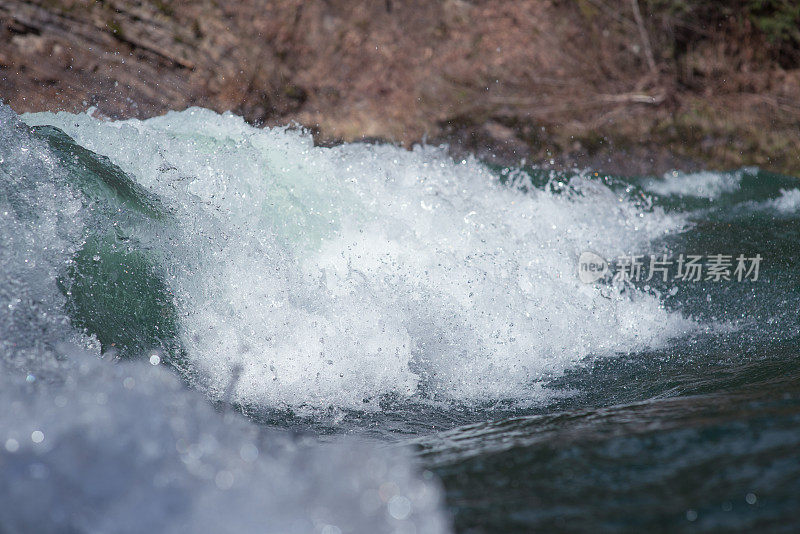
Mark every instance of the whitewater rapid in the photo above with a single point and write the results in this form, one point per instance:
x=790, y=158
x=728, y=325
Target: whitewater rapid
x=335, y=277
x=92, y=445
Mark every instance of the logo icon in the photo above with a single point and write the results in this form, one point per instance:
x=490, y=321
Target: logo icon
x=591, y=267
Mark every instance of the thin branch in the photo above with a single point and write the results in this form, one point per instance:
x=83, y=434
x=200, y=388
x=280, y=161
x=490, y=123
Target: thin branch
x=622, y=98
x=648, y=50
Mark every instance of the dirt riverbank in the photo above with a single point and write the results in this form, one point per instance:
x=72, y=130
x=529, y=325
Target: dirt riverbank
x=634, y=87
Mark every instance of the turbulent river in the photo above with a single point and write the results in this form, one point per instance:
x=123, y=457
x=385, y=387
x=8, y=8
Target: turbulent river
x=210, y=327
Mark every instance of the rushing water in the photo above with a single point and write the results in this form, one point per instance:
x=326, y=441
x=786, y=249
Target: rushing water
x=210, y=327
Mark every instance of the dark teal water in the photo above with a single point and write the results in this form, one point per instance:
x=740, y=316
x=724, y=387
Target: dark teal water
x=701, y=437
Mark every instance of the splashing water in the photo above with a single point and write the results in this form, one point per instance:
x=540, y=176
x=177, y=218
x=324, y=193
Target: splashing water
x=88, y=445
x=338, y=276
x=390, y=293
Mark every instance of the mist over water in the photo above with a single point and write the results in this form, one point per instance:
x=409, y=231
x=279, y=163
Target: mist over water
x=372, y=290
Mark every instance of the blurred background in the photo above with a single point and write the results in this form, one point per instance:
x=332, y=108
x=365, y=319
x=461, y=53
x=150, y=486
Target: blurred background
x=630, y=86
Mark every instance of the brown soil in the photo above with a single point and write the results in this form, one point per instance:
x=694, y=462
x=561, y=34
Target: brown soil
x=575, y=82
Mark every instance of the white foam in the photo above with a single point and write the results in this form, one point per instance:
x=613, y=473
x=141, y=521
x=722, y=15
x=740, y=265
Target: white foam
x=126, y=448
x=788, y=202
x=87, y=445
x=41, y=227
x=705, y=184
x=333, y=276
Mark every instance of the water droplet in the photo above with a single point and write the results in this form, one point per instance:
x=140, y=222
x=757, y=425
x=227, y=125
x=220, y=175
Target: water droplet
x=399, y=507
x=224, y=480
x=248, y=452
